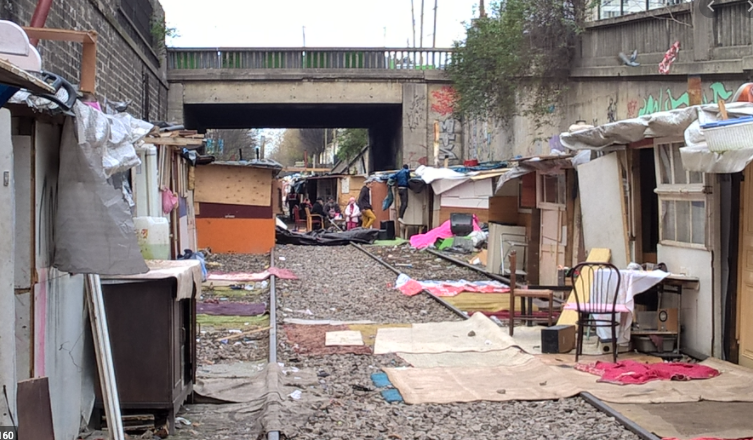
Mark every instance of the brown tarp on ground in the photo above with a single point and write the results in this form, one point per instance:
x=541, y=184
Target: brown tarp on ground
x=692, y=420
x=536, y=380
x=264, y=403
x=478, y=333
x=309, y=340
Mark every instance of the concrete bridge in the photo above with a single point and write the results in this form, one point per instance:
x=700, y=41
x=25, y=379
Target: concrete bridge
x=400, y=95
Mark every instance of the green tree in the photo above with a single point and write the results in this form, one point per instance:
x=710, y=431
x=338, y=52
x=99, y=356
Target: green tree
x=516, y=60
x=351, y=142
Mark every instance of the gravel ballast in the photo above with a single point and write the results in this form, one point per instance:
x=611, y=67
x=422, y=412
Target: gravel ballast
x=344, y=284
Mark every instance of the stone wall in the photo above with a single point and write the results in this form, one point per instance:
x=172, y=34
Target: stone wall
x=128, y=65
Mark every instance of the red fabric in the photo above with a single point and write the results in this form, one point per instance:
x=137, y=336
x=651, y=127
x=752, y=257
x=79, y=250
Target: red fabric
x=631, y=372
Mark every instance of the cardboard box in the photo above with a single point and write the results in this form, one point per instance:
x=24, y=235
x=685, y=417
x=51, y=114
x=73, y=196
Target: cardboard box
x=558, y=339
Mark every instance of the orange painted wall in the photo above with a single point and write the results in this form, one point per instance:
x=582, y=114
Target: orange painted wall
x=236, y=235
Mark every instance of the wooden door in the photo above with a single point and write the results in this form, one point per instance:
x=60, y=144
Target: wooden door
x=745, y=281
x=552, y=251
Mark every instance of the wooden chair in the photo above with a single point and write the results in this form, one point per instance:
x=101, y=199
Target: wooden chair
x=523, y=294
x=596, y=307
x=313, y=219
x=297, y=218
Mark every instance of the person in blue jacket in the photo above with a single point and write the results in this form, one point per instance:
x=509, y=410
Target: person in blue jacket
x=401, y=178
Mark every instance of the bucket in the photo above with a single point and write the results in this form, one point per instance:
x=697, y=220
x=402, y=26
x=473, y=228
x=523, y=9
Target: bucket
x=470, y=163
x=153, y=234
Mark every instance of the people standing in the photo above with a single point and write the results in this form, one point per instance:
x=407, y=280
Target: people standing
x=364, y=204
x=402, y=178
x=352, y=214
x=332, y=208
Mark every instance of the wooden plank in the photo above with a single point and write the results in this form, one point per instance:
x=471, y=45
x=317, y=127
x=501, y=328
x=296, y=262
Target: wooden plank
x=60, y=35
x=236, y=235
x=17, y=77
x=303, y=170
x=602, y=206
x=89, y=67
x=583, y=284
x=234, y=185
x=35, y=409
x=98, y=319
x=174, y=141
x=444, y=213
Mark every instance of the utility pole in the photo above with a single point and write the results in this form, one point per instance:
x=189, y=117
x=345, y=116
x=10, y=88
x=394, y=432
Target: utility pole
x=413, y=19
x=434, y=35
x=304, y=36
x=421, y=39
x=263, y=142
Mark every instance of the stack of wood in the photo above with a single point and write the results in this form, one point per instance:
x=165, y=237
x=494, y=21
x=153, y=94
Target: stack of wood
x=190, y=139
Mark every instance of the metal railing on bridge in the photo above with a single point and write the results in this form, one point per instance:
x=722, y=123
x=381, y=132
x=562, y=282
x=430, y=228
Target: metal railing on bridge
x=309, y=58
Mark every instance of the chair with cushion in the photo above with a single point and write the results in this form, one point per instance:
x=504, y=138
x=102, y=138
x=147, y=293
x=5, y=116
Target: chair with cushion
x=313, y=219
x=596, y=292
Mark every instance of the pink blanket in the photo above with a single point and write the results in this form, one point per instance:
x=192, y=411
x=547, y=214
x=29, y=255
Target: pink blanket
x=421, y=241
x=631, y=372
x=410, y=287
x=253, y=277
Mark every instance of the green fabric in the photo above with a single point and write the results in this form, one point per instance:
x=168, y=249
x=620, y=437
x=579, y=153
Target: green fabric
x=446, y=243
x=396, y=242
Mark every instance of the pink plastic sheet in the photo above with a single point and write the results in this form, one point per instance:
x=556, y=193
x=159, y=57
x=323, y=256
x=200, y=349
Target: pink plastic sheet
x=421, y=241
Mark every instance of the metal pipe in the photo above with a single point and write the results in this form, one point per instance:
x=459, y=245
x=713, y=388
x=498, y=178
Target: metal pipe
x=272, y=435
x=624, y=421
x=477, y=269
x=449, y=306
x=40, y=17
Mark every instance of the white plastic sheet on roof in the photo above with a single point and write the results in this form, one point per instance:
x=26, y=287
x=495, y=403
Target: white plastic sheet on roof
x=685, y=122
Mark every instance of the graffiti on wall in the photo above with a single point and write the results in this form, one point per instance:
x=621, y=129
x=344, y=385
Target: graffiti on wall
x=416, y=111
x=450, y=130
x=665, y=100
x=612, y=110
x=632, y=109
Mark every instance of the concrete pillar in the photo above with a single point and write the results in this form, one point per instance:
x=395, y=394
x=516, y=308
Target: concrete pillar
x=7, y=294
x=175, y=103
x=415, y=150
x=703, y=31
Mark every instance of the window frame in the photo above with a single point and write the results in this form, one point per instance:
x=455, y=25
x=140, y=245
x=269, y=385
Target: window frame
x=540, y=202
x=682, y=192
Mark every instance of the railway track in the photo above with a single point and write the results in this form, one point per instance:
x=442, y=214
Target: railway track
x=275, y=344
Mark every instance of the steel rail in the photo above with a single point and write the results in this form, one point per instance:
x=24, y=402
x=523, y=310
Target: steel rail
x=449, y=306
x=272, y=435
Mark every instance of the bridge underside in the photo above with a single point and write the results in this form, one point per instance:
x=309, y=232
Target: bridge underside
x=384, y=121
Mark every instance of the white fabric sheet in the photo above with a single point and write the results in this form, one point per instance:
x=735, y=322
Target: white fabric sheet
x=632, y=282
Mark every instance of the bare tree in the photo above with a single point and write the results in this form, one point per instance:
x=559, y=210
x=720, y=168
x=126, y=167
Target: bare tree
x=233, y=145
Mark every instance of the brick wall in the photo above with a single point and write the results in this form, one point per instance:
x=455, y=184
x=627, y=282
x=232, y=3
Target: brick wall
x=128, y=68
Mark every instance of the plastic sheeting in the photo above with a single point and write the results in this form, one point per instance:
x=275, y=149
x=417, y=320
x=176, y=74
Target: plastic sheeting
x=660, y=124
x=697, y=157
x=110, y=137
x=322, y=238
x=685, y=122
x=94, y=230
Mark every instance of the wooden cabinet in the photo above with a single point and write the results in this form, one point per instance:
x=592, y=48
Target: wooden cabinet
x=152, y=335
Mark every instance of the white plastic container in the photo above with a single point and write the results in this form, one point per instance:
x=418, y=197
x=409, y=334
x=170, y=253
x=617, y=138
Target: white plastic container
x=730, y=134
x=153, y=235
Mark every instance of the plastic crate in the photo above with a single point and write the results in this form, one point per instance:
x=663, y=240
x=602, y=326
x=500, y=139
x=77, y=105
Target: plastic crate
x=730, y=134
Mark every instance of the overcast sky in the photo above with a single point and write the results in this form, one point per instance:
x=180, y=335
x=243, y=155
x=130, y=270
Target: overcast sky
x=328, y=23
